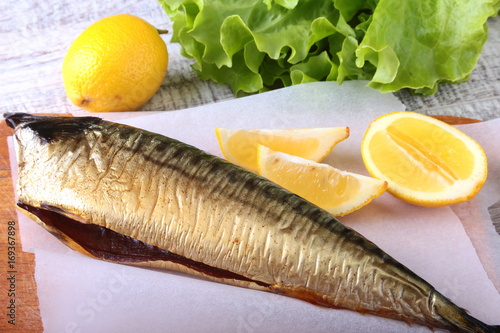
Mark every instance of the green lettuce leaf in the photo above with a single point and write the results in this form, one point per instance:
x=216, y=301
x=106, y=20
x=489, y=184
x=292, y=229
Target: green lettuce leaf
x=440, y=41
x=258, y=45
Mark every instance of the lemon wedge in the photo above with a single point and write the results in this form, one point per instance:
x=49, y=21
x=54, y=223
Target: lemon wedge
x=240, y=146
x=338, y=192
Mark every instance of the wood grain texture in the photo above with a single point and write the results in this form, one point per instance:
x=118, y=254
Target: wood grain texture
x=27, y=311
x=36, y=36
x=454, y=120
x=27, y=314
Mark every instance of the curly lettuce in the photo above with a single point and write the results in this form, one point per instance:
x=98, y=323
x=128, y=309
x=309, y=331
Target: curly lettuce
x=258, y=45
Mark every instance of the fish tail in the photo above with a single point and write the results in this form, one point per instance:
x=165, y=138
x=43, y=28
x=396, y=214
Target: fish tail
x=458, y=319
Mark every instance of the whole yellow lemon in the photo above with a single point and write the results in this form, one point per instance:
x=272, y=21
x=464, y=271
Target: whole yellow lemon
x=116, y=64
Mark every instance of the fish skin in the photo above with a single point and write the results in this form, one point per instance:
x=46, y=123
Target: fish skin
x=175, y=197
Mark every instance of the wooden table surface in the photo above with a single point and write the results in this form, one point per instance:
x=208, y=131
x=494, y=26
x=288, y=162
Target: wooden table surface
x=35, y=37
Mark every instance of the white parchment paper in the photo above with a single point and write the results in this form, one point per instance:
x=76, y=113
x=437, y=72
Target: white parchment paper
x=79, y=294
